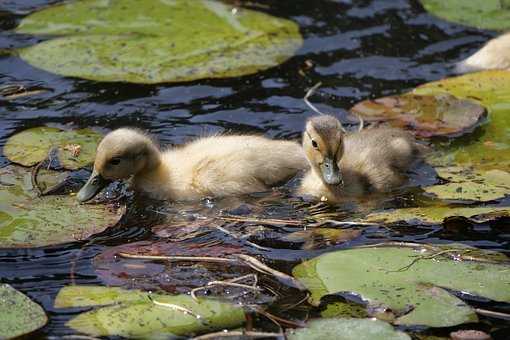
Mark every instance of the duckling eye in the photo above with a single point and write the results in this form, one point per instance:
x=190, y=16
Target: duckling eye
x=314, y=144
x=115, y=161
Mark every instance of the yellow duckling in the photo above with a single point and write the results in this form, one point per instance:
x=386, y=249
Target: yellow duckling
x=350, y=164
x=213, y=166
x=495, y=54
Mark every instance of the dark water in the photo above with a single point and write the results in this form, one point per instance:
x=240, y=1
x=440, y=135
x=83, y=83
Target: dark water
x=358, y=49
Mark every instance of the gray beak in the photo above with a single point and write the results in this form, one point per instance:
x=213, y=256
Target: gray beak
x=93, y=186
x=330, y=172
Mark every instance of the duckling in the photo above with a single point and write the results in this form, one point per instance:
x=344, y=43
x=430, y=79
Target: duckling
x=213, y=166
x=495, y=54
x=351, y=164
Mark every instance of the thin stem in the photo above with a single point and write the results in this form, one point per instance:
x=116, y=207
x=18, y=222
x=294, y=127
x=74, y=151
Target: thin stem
x=179, y=258
x=261, y=267
x=308, y=94
x=244, y=334
x=492, y=314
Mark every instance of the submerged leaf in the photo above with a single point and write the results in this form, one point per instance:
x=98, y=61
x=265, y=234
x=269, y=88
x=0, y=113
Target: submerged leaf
x=466, y=184
x=347, y=329
x=153, y=41
x=27, y=220
x=18, y=314
x=145, y=274
x=437, y=214
x=133, y=313
x=491, y=150
x=75, y=148
x=407, y=281
x=487, y=14
x=425, y=116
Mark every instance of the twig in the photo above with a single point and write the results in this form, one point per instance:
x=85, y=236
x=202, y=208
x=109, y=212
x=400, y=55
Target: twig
x=492, y=314
x=259, y=266
x=175, y=307
x=254, y=245
x=261, y=221
x=294, y=305
x=341, y=223
x=229, y=282
x=179, y=258
x=248, y=334
x=422, y=257
x=222, y=283
x=276, y=319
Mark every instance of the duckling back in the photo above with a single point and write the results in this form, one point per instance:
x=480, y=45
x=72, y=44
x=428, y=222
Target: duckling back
x=379, y=158
x=228, y=165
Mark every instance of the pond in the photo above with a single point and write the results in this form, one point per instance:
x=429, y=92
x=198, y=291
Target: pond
x=357, y=49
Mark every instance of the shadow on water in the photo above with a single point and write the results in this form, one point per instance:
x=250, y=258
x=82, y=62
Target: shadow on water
x=357, y=49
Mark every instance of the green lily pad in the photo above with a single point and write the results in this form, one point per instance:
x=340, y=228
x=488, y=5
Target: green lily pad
x=491, y=150
x=407, y=281
x=76, y=148
x=18, y=314
x=488, y=14
x=347, y=329
x=153, y=41
x=340, y=309
x=425, y=116
x=133, y=313
x=27, y=220
x=469, y=185
x=437, y=214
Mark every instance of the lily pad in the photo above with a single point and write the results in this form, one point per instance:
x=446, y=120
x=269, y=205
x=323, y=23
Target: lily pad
x=407, y=281
x=75, y=148
x=488, y=14
x=133, y=313
x=437, y=214
x=153, y=41
x=27, y=220
x=347, y=329
x=466, y=184
x=491, y=150
x=18, y=314
x=153, y=275
x=425, y=116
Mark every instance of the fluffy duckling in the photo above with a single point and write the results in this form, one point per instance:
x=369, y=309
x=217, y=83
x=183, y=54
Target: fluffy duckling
x=350, y=164
x=213, y=166
x=495, y=54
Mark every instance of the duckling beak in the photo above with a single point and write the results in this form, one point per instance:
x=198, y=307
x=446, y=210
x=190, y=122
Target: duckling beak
x=330, y=172
x=94, y=185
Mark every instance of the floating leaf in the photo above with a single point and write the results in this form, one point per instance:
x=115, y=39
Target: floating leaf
x=133, y=313
x=18, y=314
x=30, y=221
x=151, y=275
x=491, y=150
x=437, y=214
x=488, y=14
x=315, y=238
x=340, y=309
x=347, y=329
x=407, y=281
x=152, y=41
x=426, y=116
x=76, y=148
x=466, y=184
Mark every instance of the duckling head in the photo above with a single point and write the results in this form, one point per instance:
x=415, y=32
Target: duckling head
x=323, y=145
x=121, y=154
